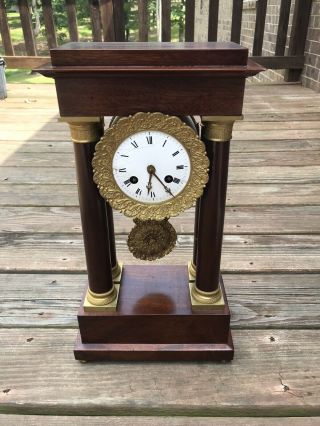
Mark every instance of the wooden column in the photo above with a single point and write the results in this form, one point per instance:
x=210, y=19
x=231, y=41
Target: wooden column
x=85, y=132
x=216, y=135
x=193, y=262
x=116, y=267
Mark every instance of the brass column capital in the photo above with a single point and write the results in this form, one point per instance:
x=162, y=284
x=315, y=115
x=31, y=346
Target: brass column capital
x=219, y=128
x=84, y=129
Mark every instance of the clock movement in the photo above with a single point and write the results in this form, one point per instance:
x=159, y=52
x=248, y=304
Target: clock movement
x=154, y=161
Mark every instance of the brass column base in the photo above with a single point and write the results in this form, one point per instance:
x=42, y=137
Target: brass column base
x=202, y=300
x=95, y=302
x=192, y=271
x=117, y=272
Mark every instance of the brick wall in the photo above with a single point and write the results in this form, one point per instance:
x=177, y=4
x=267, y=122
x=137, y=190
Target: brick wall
x=270, y=35
x=311, y=73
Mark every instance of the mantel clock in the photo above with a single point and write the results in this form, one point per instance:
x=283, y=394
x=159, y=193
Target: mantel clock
x=165, y=150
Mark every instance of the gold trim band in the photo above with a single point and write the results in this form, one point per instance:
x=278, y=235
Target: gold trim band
x=192, y=270
x=201, y=300
x=219, y=128
x=205, y=297
x=84, y=129
x=111, y=306
x=117, y=272
x=102, y=299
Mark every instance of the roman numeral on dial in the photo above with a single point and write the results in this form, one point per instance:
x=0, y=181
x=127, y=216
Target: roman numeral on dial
x=176, y=180
x=149, y=140
x=138, y=191
x=123, y=170
x=175, y=153
x=127, y=182
x=152, y=195
x=134, y=144
x=180, y=167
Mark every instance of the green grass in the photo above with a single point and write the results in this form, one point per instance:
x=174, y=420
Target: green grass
x=84, y=29
x=25, y=76
x=15, y=27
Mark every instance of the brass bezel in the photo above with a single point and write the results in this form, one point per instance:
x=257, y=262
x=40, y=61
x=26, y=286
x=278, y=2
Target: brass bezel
x=126, y=127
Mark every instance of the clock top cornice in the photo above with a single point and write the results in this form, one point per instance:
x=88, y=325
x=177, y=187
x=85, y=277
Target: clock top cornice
x=96, y=79
x=135, y=58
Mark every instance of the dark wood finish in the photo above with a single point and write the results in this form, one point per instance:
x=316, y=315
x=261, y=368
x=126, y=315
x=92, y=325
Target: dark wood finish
x=4, y=30
x=261, y=11
x=106, y=10
x=139, y=93
x=211, y=217
x=280, y=62
x=166, y=20
x=94, y=221
x=149, y=54
x=213, y=20
x=165, y=352
x=95, y=20
x=154, y=319
x=111, y=233
x=49, y=23
x=72, y=20
x=118, y=16
x=143, y=20
x=283, y=27
x=236, y=20
x=195, y=233
x=166, y=85
x=27, y=27
x=110, y=21
x=189, y=22
x=300, y=22
x=154, y=309
x=270, y=62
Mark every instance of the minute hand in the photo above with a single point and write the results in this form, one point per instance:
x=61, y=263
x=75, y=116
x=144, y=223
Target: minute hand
x=168, y=190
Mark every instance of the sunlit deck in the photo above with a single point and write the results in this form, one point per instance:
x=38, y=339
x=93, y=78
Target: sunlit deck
x=271, y=266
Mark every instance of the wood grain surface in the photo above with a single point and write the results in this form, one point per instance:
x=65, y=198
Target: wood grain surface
x=39, y=361
x=271, y=264
x=15, y=420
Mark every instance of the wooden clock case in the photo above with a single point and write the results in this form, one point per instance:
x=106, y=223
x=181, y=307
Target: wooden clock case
x=155, y=317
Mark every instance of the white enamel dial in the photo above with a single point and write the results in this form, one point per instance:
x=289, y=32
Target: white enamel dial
x=151, y=167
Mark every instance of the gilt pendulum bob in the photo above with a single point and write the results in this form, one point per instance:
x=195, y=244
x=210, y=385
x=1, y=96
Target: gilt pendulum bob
x=150, y=166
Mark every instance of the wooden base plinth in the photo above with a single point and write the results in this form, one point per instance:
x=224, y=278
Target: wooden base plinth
x=155, y=322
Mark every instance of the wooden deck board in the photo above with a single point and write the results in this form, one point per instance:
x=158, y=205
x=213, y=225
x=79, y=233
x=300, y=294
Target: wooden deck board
x=241, y=253
x=271, y=264
x=283, y=220
x=257, y=301
x=267, y=373
x=15, y=420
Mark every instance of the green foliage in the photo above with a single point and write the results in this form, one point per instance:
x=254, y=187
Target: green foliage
x=84, y=24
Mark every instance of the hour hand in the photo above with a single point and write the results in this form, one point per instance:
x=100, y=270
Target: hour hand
x=150, y=170
x=149, y=186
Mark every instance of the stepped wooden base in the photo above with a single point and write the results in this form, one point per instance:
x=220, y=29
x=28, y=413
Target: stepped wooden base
x=155, y=322
x=153, y=352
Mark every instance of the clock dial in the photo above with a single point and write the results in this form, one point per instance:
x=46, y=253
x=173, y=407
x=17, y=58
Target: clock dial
x=151, y=166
